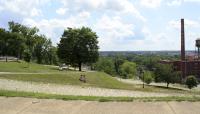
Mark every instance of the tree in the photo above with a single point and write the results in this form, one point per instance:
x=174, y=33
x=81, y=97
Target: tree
x=3, y=39
x=118, y=61
x=165, y=73
x=29, y=33
x=27, y=56
x=39, y=48
x=78, y=46
x=191, y=82
x=128, y=69
x=16, y=43
x=147, y=77
x=106, y=65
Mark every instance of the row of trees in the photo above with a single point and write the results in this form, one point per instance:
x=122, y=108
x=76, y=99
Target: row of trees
x=26, y=43
x=116, y=66
x=77, y=45
x=148, y=69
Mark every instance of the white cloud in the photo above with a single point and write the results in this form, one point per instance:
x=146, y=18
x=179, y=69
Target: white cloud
x=175, y=3
x=23, y=7
x=179, y=2
x=191, y=1
x=151, y=3
x=1, y=8
x=53, y=28
x=35, y=12
x=61, y=11
x=115, y=6
x=84, y=14
x=188, y=23
x=91, y=4
x=112, y=30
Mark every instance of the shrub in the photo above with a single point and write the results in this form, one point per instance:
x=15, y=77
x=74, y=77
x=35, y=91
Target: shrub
x=128, y=69
x=191, y=82
x=147, y=77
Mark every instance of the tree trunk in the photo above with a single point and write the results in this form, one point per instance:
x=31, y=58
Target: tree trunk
x=79, y=66
x=167, y=85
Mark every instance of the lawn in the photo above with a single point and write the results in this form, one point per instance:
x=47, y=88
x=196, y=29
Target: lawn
x=23, y=67
x=94, y=79
x=53, y=75
x=7, y=93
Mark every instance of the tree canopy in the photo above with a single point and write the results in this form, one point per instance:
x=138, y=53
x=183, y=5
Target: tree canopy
x=165, y=73
x=78, y=46
x=26, y=43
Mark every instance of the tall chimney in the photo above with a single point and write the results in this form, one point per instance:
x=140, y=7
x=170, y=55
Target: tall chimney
x=182, y=41
x=183, y=62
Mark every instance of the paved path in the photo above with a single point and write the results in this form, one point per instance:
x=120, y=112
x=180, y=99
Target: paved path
x=75, y=90
x=43, y=106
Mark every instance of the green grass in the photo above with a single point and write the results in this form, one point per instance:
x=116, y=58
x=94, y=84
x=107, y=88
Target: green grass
x=7, y=93
x=94, y=79
x=23, y=67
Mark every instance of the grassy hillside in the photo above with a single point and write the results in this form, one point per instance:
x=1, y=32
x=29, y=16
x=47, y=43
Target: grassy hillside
x=51, y=74
x=23, y=67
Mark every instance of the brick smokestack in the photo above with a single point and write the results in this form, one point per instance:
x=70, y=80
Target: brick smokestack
x=182, y=41
x=183, y=62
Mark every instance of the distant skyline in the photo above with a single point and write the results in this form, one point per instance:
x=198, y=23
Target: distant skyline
x=122, y=25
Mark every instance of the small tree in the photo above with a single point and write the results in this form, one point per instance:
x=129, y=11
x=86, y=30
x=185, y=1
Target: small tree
x=106, y=65
x=128, y=69
x=165, y=73
x=191, y=82
x=27, y=56
x=147, y=77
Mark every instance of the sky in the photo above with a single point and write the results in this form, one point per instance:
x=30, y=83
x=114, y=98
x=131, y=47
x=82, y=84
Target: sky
x=121, y=25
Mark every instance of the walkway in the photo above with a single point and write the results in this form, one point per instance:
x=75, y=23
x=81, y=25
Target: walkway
x=43, y=106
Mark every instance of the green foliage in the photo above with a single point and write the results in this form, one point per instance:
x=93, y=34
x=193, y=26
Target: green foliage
x=78, y=46
x=118, y=61
x=106, y=65
x=165, y=73
x=128, y=69
x=148, y=78
x=20, y=38
x=191, y=82
x=27, y=56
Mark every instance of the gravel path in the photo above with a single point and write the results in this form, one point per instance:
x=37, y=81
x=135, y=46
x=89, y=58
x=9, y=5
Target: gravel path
x=74, y=90
x=131, y=81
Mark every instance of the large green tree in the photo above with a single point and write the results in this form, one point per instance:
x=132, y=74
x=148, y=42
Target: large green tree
x=78, y=46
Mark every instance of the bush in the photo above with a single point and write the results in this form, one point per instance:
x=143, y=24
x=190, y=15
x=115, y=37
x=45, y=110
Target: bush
x=106, y=65
x=147, y=77
x=128, y=69
x=191, y=82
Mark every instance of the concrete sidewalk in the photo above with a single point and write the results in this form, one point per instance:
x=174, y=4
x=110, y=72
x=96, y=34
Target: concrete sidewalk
x=49, y=106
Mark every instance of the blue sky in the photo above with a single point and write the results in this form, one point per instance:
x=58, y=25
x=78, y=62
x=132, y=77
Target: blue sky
x=122, y=25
